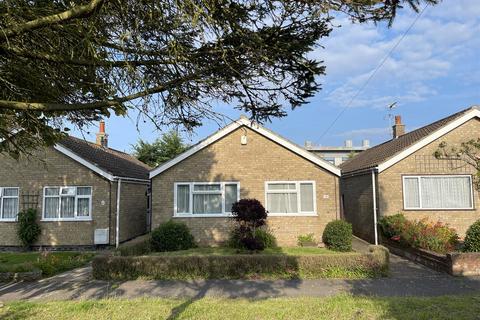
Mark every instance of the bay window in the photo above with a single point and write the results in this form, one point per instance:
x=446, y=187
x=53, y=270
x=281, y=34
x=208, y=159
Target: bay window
x=290, y=197
x=8, y=203
x=205, y=198
x=437, y=192
x=67, y=203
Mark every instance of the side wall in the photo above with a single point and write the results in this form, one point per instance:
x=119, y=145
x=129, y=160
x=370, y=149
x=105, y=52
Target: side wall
x=252, y=164
x=51, y=168
x=357, y=196
x=133, y=210
x=423, y=162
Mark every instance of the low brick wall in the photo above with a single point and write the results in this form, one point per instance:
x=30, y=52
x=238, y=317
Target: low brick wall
x=464, y=264
x=455, y=263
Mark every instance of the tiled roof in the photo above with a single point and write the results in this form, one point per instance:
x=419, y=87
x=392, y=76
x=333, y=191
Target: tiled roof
x=374, y=156
x=115, y=162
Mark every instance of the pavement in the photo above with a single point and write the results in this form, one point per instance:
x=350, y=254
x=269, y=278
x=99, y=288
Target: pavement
x=406, y=279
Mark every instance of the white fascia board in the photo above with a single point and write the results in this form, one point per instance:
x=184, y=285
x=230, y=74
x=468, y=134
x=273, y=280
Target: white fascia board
x=257, y=128
x=84, y=162
x=429, y=139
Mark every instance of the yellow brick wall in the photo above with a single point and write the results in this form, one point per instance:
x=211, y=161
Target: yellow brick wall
x=423, y=162
x=51, y=168
x=252, y=164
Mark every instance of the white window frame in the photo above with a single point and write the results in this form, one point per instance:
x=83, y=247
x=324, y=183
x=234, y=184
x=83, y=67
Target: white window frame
x=190, y=214
x=8, y=197
x=76, y=217
x=297, y=191
x=418, y=177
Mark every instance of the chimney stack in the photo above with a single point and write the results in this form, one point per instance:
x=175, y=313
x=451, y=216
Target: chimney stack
x=102, y=137
x=398, y=128
x=366, y=143
x=348, y=143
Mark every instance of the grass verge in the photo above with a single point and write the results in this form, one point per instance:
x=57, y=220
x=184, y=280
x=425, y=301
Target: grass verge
x=338, y=307
x=50, y=263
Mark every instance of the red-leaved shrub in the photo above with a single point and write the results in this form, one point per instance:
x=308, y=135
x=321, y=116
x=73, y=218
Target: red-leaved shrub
x=437, y=237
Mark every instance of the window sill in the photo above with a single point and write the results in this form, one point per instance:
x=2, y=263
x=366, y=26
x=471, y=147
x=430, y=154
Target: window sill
x=211, y=215
x=292, y=215
x=8, y=220
x=444, y=209
x=66, y=220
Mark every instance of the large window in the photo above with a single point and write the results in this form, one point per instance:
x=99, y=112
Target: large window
x=290, y=197
x=205, y=198
x=8, y=203
x=67, y=203
x=437, y=192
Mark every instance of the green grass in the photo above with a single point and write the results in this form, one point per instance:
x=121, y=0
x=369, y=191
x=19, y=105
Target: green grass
x=50, y=263
x=224, y=251
x=338, y=307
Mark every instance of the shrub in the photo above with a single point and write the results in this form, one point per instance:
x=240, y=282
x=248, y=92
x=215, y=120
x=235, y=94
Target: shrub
x=250, y=216
x=472, y=238
x=266, y=237
x=172, y=236
x=392, y=226
x=28, y=228
x=338, y=236
x=243, y=266
x=306, y=240
x=437, y=237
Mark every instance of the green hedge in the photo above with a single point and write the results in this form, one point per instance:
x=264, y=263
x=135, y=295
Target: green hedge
x=239, y=266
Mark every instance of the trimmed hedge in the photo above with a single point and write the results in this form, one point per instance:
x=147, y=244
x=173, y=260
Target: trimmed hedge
x=239, y=266
x=172, y=236
x=472, y=238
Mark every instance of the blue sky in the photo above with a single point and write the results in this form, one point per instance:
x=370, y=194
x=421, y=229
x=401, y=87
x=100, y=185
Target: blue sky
x=434, y=71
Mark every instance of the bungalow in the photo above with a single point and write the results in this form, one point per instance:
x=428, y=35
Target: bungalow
x=402, y=175
x=85, y=194
x=246, y=160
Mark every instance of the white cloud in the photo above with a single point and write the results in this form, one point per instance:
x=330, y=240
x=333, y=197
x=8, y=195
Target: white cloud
x=433, y=50
x=366, y=132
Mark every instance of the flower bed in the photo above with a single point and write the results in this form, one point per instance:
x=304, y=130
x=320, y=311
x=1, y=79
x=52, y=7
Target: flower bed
x=243, y=266
x=422, y=234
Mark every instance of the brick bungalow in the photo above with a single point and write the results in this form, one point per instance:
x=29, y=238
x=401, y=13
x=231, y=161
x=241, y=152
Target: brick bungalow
x=402, y=175
x=245, y=160
x=80, y=191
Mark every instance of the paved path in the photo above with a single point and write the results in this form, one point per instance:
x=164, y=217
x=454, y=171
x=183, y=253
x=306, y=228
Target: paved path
x=407, y=278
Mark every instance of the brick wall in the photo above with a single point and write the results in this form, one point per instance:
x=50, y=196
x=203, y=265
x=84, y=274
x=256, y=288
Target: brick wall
x=51, y=168
x=252, y=164
x=357, y=196
x=423, y=162
x=133, y=210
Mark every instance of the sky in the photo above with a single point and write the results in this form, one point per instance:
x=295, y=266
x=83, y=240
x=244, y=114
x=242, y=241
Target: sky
x=433, y=71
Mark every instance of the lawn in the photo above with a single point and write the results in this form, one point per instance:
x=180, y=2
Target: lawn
x=224, y=251
x=338, y=307
x=50, y=263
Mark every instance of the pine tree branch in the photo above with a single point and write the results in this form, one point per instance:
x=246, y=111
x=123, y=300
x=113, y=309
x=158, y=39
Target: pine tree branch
x=73, y=13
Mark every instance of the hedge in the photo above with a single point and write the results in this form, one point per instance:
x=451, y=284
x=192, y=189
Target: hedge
x=374, y=263
x=136, y=247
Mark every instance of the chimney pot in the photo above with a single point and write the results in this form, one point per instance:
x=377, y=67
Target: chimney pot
x=102, y=126
x=348, y=143
x=398, y=119
x=366, y=143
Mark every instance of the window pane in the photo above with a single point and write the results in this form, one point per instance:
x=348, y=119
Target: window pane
x=446, y=192
x=207, y=187
x=83, y=207
x=281, y=186
x=51, y=207
x=412, y=194
x=68, y=191
x=84, y=191
x=10, y=192
x=10, y=208
x=67, y=208
x=306, y=197
x=183, y=199
x=52, y=191
x=207, y=203
x=282, y=203
x=230, y=196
